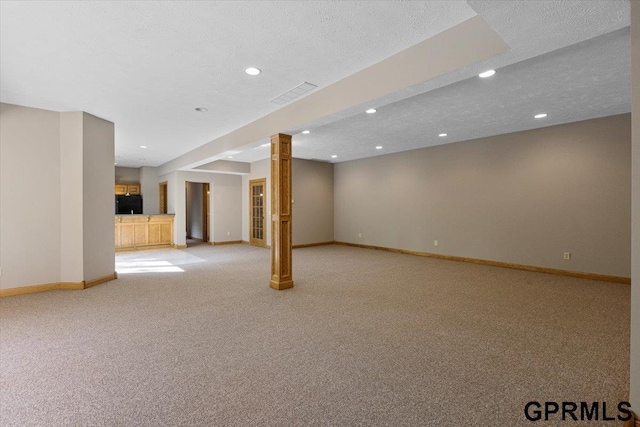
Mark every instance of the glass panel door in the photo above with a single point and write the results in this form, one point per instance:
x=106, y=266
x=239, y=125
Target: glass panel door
x=257, y=212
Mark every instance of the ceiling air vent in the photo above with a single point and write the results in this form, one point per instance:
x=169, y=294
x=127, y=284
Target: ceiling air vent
x=294, y=93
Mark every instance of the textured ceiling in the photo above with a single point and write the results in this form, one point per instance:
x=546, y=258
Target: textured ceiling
x=147, y=65
x=580, y=82
x=531, y=29
x=587, y=80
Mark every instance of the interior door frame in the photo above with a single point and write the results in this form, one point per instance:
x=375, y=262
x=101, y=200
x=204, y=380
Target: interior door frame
x=189, y=192
x=163, y=199
x=206, y=237
x=252, y=241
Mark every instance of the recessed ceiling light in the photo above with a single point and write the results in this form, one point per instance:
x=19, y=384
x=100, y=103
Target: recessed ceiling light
x=540, y=116
x=334, y=156
x=201, y=110
x=143, y=146
x=371, y=110
x=442, y=135
x=229, y=157
x=306, y=131
x=253, y=71
x=487, y=73
x=379, y=147
x=115, y=163
x=265, y=145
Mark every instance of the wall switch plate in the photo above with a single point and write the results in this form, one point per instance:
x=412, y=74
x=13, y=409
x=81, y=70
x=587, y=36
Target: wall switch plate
x=359, y=235
x=435, y=243
x=567, y=255
x=0, y=271
x=228, y=233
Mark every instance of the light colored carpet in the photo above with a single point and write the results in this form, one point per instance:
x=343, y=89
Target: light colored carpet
x=365, y=338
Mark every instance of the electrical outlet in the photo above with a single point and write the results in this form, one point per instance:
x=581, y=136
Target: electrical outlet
x=567, y=255
x=359, y=235
x=435, y=243
x=228, y=233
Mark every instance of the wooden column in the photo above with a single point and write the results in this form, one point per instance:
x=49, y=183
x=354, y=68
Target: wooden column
x=281, y=229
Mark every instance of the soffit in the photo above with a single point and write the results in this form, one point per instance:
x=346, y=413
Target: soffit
x=147, y=65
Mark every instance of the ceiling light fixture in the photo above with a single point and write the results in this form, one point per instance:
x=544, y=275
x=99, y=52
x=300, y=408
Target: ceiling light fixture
x=229, y=157
x=253, y=71
x=306, y=131
x=334, y=156
x=265, y=145
x=143, y=146
x=379, y=147
x=371, y=110
x=540, y=116
x=201, y=110
x=442, y=135
x=487, y=73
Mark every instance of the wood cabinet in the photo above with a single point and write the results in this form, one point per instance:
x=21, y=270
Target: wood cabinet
x=133, y=232
x=121, y=189
x=127, y=188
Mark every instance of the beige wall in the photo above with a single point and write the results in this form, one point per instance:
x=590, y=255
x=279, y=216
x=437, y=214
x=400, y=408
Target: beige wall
x=149, y=187
x=127, y=175
x=172, y=192
x=522, y=198
x=29, y=196
x=313, y=202
x=312, y=195
x=194, y=210
x=71, y=204
x=225, y=203
x=56, y=207
x=98, y=197
x=635, y=278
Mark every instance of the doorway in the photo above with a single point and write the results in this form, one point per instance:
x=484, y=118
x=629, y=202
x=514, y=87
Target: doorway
x=163, y=198
x=197, y=212
x=257, y=214
x=205, y=212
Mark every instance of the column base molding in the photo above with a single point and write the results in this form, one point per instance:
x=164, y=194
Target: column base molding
x=281, y=286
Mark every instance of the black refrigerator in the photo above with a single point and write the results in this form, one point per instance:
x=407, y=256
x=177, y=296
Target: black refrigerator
x=131, y=204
